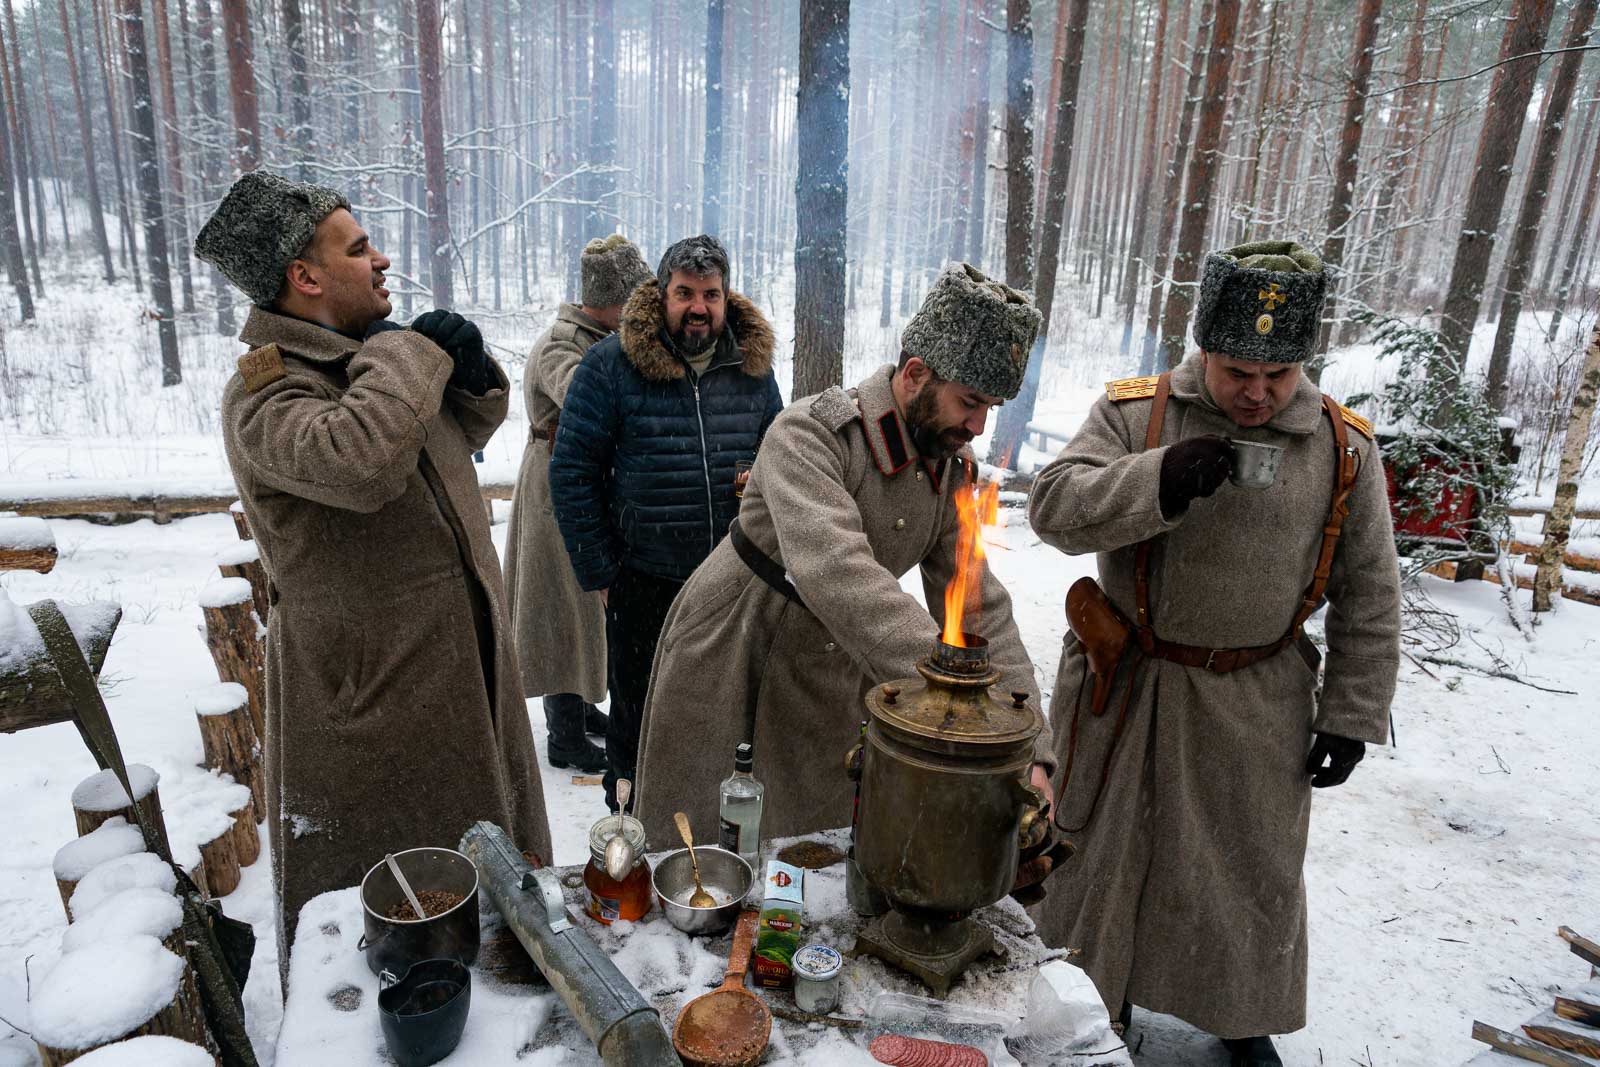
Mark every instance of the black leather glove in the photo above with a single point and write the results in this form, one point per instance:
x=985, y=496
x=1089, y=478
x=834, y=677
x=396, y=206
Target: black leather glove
x=380, y=326
x=1193, y=468
x=463, y=343
x=1341, y=755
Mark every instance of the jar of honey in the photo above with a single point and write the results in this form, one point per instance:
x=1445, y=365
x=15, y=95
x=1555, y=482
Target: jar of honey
x=609, y=899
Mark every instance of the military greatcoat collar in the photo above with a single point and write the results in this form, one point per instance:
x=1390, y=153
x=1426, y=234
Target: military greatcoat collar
x=307, y=340
x=1299, y=417
x=888, y=437
x=574, y=314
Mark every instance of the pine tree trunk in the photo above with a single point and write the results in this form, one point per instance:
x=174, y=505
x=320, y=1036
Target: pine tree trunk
x=16, y=264
x=821, y=195
x=114, y=142
x=432, y=86
x=1151, y=153
x=1015, y=415
x=148, y=173
x=34, y=167
x=211, y=156
x=1525, y=238
x=1345, y=167
x=177, y=197
x=1398, y=161
x=50, y=122
x=242, y=84
x=602, y=217
x=1177, y=167
x=1196, y=207
x=294, y=36
x=97, y=215
x=1509, y=94
x=980, y=159
x=711, y=199
x=1569, y=273
x=21, y=150
x=1558, y=523
x=1019, y=144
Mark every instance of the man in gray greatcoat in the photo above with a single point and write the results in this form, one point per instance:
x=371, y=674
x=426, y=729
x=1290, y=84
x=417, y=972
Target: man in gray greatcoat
x=561, y=634
x=1186, y=717
x=780, y=632
x=395, y=715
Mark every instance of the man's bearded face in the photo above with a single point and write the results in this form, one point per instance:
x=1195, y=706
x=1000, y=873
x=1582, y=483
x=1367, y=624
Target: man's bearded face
x=944, y=417
x=695, y=309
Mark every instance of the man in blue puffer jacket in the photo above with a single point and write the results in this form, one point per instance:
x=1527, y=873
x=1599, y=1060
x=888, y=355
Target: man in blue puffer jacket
x=643, y=468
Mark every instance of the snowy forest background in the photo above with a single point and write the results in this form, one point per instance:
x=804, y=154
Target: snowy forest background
x=1444, y=156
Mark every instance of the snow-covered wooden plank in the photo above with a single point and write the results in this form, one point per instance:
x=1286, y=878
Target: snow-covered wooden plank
x=1524, y=1049
x=27, y=544
x=162, y=504
x=31, y=693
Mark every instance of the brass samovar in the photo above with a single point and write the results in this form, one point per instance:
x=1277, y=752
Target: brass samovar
x=944, y=809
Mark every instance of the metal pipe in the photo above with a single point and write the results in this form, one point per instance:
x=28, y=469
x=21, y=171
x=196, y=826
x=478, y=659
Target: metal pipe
x=624, y=1028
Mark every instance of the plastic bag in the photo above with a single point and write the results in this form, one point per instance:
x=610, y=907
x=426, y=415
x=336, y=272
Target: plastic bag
x=1064, y=1017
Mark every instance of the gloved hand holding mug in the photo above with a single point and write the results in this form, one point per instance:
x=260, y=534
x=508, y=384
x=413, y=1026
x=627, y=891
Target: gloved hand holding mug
x=1192, y=468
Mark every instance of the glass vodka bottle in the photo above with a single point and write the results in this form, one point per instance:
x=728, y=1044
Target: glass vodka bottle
x=739, y=810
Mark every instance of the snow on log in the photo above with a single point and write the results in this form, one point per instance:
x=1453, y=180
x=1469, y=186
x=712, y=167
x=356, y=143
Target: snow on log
x=142, y=870
x=100, y=796
x=27, y=544
x=133, y=912
x=204, y=813
x=31, y=693
x=144, y=1051
x=233, y=633
x=240, y=523
x=109, y=991
x=243, y=560
x=111, y=840
x=228, y=736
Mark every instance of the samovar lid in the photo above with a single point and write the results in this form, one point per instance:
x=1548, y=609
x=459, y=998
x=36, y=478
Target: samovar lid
x=954, y=703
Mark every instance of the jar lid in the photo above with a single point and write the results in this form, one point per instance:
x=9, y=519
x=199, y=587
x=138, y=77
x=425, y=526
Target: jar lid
x=606, y=828
x=817, y=963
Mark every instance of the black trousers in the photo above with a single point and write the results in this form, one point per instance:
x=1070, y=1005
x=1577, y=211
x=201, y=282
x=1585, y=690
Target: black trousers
x=636, y=609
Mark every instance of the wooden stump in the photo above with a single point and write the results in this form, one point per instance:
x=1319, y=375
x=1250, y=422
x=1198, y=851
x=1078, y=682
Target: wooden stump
x=100, y=796
x=228, y=734
x=240, y=523
x=112, y=839
x=220, y=858
x=233, y=633
x=27, y=545
x=244, y=561
x=246, y=838
x=98, y=968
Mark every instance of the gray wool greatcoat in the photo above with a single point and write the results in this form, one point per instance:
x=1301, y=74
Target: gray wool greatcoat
x=355, y=469
x=1186, y=894
x=561, y=630
x=738, y=661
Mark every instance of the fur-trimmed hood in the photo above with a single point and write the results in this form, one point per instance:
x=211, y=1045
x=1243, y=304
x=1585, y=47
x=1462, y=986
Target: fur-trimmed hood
x=643, y=330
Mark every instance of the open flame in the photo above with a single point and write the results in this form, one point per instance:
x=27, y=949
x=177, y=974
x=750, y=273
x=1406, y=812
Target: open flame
x=975, y=509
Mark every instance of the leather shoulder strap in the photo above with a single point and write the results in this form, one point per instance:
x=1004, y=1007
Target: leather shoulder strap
x=1141, y=556
x=1347, y=466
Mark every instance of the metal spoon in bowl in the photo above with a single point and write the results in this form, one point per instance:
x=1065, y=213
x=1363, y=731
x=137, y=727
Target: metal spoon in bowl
x=619, y=853
x=700, y=899
x=405, y=886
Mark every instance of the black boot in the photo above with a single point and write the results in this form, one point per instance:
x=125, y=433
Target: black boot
x=594, y=720
x=566, y=744
x=1252, y=1052
x=1124, y=1019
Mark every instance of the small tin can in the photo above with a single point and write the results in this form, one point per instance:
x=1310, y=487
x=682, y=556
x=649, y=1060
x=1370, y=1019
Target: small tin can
x=816, y=979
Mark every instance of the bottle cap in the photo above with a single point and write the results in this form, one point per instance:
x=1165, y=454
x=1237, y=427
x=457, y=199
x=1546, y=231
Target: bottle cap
x=743, y=757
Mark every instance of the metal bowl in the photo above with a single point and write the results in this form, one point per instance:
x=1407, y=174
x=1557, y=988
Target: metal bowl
x=725, y=876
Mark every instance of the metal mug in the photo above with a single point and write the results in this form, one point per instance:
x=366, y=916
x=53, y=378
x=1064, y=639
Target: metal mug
x=1255, y=465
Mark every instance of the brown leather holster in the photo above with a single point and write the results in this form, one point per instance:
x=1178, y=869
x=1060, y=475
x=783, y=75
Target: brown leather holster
x=1101, y=631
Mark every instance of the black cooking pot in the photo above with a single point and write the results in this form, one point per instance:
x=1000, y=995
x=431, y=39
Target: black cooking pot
x=424, y=1013
x=393, y=945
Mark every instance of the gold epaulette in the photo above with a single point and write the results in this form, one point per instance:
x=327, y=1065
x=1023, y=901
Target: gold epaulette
x=261, y=367
x=1131, y=389
x=1362, y=425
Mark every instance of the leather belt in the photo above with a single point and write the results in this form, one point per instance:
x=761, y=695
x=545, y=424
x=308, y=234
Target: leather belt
x=762, y=565
x=545, y=433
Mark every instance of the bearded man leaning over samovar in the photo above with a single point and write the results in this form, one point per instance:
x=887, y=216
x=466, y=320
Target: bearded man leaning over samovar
x=780, y=632
x=1185, y=710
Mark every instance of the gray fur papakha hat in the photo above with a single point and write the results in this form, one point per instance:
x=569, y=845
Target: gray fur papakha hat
x=612, y=268
x=1261, y=302
x=974, y=331
x=262, y=225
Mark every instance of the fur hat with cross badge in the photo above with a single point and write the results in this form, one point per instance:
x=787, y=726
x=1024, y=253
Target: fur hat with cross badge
x=1261, y=302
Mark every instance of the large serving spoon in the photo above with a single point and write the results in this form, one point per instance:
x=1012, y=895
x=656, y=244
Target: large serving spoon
x=405, y=886
x=700, y=899
x=619, y=853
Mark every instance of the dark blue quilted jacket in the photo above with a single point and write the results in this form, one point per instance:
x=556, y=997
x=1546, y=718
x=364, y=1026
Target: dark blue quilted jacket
x=642, y=469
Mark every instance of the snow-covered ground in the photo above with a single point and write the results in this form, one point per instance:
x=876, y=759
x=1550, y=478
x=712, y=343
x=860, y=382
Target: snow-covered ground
x=1436, y=877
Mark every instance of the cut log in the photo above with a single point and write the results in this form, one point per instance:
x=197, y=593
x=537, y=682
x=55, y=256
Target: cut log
x=27, y=545
x=101, y=994
x=246, y=838
x=1578, y=1011
x=244, y=561
x=31, y=693
x=1447, y=570
x=1565, y=1040
x=240, y=523
x=220, y=858
x=1522, y=1048
x=233, y=633
x=100, y=797
x=1581, y=946
x=228, y=735
x=1575, y=560
x=110, y=840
